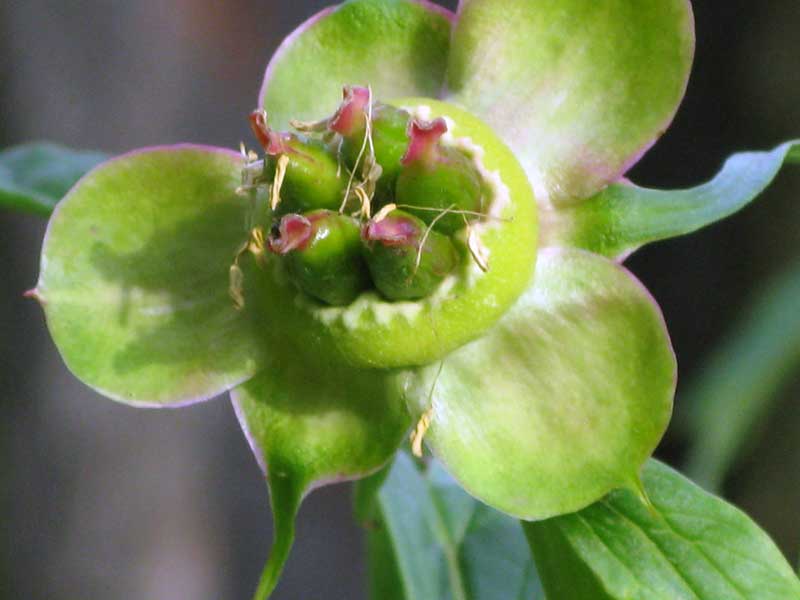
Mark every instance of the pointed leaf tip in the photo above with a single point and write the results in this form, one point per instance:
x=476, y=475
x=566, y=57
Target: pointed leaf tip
x=694, y=546
x=623, y=217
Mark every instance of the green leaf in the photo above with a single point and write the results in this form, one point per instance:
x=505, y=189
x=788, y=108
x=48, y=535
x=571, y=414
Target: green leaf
x=623, y=216
x=689, y=545
x=398, y=47
x=312, y=422
x=578, y=89
x=33, y=177
x=428, y=539
x=563, y=400
x=134, y=277
x=739, y=384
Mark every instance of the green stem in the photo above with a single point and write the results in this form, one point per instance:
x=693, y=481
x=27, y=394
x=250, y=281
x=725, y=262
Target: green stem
x=286, y=494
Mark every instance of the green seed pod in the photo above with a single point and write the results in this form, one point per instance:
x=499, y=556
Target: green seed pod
x=407, y=261
x=438, y=178
x=389, y=137
x=310, y=177
x=321, y=251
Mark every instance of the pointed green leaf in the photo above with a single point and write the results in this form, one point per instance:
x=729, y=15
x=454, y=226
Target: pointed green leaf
x=578, y=89
x=563, y=400
x=33, y=177
x=623, y=216
x=398, y=47
x=740, y=382
x=311, y=422
x=134, y=277
x=428, y=539
x=689, y=545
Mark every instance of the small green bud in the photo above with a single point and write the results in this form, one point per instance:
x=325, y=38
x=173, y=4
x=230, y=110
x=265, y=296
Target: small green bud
x=438, y=178
x=407, y=259
x=311, y=179
x=389, y=137
x=321, y=251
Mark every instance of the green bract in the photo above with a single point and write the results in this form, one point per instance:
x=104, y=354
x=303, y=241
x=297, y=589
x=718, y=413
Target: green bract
x=539, y=393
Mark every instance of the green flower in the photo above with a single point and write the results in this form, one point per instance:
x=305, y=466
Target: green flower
x=540, y=393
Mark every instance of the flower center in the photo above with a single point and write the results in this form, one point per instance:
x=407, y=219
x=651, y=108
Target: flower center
x=398, y=231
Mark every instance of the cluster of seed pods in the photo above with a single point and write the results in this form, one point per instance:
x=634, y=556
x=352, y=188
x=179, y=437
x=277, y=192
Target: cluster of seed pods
x=370, y=198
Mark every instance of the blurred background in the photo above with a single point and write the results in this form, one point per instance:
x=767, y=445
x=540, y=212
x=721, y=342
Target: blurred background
x=103, y=501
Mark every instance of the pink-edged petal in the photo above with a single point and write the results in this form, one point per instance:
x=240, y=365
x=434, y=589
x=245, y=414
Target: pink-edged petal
x=311, y=422
x=397, y=47
x=578, y=89
x=563, y=400
x=134, y=277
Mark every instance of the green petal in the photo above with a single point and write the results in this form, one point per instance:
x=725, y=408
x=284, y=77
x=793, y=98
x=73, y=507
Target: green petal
x=33, y=177
x=399, y=47
x=623, y=216
x=134, y=277
x=686, y=545
x=311, y=422
x=578, y=89
x=563, y=400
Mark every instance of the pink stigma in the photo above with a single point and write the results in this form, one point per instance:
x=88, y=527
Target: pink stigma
x=391, y=231
x=349, y=117
x=271, y=141
x=423, y=136
x=293, y=234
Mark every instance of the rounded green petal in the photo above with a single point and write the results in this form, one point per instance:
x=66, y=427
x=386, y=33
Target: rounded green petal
x=563, y=400
x=318, y=421
x=311, y=422
x=134, y=277
x=578, y=89
x=398, y=47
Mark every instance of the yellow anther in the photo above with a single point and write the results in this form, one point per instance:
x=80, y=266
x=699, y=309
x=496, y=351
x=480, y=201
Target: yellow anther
x=479, y=252
x=383, y=213
x=257, y=243
x=419, y=432
x=364, y=199
x=277, y=182
x=236, y=286
x=310, y=126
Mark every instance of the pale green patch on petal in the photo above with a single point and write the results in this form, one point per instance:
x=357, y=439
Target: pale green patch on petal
x=563, y=400
x=398, y=47
x=312, y=422
x=623, y=216
x=578, y=89
x=134, y=277
x=687, y=545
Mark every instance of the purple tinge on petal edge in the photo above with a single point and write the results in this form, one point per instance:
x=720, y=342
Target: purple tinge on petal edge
x=644, y=148
x=289, y=40
x=239, y=412
x=165, y=148
x=637, y=155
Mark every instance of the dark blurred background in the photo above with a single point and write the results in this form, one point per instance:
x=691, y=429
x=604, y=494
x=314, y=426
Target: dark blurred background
x=103, y=501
